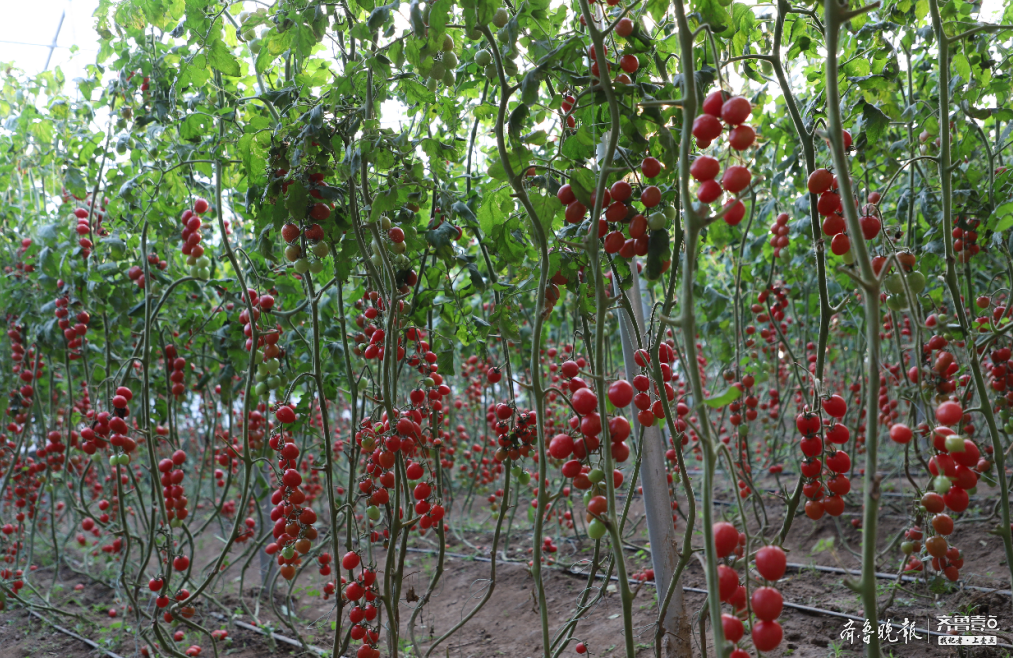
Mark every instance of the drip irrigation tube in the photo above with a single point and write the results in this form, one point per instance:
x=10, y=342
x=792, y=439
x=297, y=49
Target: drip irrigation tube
x=66, y=631
x=787, y=604
x=276, y=636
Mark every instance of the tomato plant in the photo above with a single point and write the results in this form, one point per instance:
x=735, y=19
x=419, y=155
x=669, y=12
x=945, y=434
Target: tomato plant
x=355, y=280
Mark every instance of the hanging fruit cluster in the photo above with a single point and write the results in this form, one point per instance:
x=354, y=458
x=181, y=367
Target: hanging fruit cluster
x=293, y=523
x=172, y=482
x=965, y=238
x=705, y=168
x=200, y=265
x=779, y=239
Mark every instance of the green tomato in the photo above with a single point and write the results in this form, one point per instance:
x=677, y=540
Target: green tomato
x=491, y=73
x=203, y=261
x=516, y=471
x=483, y=58
x=449, y=78
x=596, y=529
x=972, y=491
x=524, y=478
x=941, y=484
x=317, y=266
x=203, y=273
x=293, y=252
x=916, y=282
x=907, y=547
x=596, y=475
x=955, y=443
x=273, y=382
x=437, y=72
x=657, y=221
x=255, y=46
x=896, y=302
x=321, y=249
x=272, y=365
x=261, y=389
x=429, y=382
x=448, y=43
x=114, y=460
x=670, y=213
x=191, y=261
x=510, y=67
x=302, y=266
x=373, y=512
x=894, y=284
x=176, y=523
x=288, y=552
x=501, y=17
x=849, y=257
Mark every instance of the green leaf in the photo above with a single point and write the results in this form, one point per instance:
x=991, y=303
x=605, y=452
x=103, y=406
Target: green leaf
x=221, y=58
x=582, y=182
x=962, y=67
x=495, y=210
x=730, y=395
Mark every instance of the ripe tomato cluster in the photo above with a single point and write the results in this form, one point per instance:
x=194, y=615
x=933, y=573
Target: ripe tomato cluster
x=200, y=265
x=705, y=168
x=294, y=528
x=765, y=603
x=837, y=462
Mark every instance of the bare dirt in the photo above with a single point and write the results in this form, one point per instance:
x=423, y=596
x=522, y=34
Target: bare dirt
x=509, y=625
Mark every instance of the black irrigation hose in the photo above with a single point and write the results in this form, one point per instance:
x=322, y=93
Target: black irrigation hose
x=276, y=636
x=787, y=604
x=74, y=635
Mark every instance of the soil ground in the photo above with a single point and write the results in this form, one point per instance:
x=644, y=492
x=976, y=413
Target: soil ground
x=508, y=625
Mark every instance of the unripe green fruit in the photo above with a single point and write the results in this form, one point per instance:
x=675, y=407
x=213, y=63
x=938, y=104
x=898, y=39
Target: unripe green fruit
x=321, y=250
x=596, y=475
x=670, y=213
x=657, y=221
x=524, y=478
x=510, y=67
x=501, y=17
x=596, y=529
x=916, y=282
x=292, y=253
x=955, y=443
x=316, y=267
x=941, y=484
x=894, y=284
x=302, y=266
x=483, y=58
x=438, y=70
x=449, y=78
x=448, y=43
x=373, y=512
x=896, y=302
x=907, y=547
